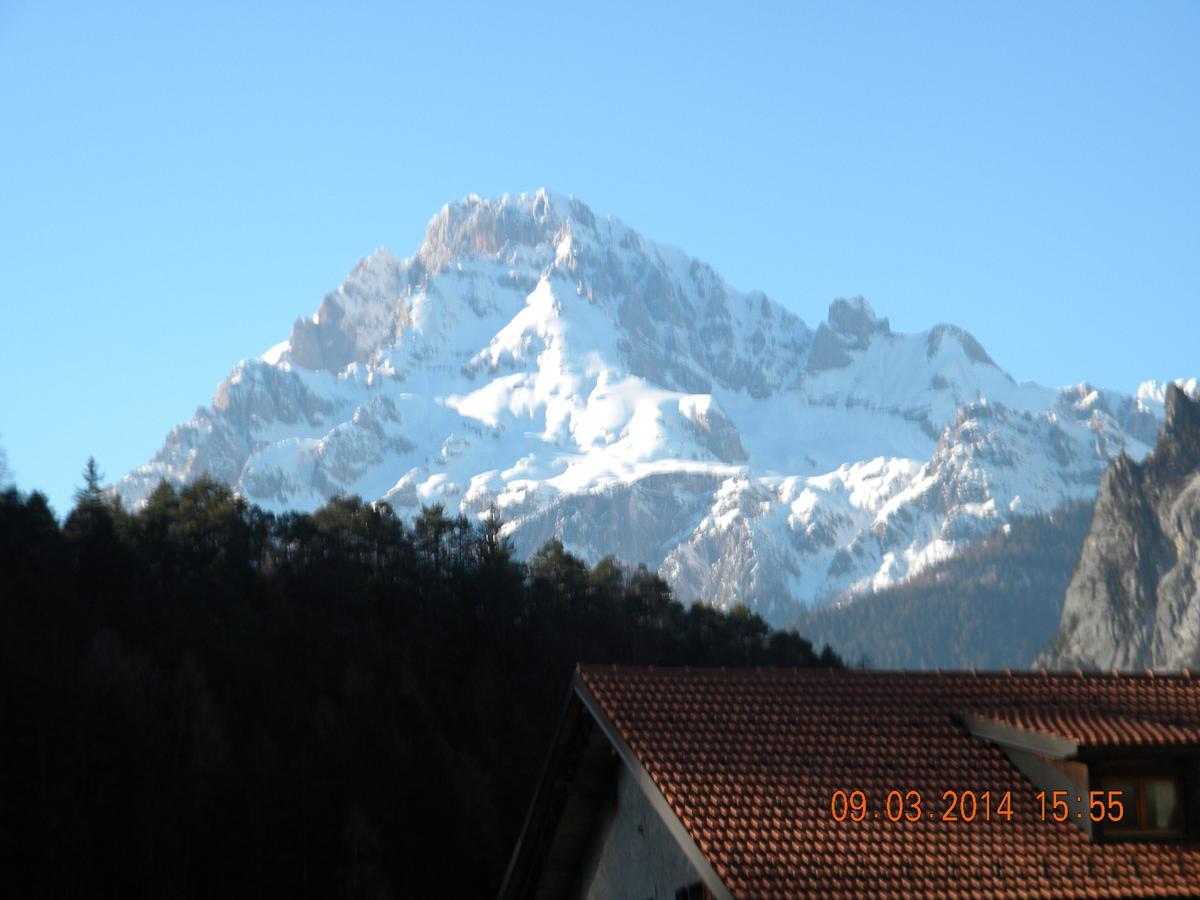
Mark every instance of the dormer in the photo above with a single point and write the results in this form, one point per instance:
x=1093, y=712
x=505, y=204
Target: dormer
x=1117, y=776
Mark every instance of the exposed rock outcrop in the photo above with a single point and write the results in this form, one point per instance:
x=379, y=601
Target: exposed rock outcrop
x=1133, y=602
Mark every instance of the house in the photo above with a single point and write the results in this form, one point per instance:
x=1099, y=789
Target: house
x=677, y=783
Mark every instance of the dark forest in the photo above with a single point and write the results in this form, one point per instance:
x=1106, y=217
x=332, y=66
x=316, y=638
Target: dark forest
x=203, y=699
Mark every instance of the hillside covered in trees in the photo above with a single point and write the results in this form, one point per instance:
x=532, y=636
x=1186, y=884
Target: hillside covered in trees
x=203, y=699
x=994, y=605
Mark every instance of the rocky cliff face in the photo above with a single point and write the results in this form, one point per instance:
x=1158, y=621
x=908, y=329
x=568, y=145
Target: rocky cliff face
x=592, y=384
x=1134, y=600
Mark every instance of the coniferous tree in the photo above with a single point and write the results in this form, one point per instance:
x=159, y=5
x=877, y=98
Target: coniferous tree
x=91, y=492
x=201, y=698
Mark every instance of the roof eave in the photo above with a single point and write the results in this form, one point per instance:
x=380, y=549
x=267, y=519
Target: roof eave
x=654, y=796
x=510, y=889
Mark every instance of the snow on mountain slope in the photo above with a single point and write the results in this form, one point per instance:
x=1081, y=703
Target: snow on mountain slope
x=594, y=385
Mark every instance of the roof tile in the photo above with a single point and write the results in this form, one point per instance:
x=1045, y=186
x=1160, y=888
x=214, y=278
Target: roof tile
x=749, y=760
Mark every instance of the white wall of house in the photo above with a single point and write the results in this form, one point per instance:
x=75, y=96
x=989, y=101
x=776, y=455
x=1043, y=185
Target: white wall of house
x=633, y=856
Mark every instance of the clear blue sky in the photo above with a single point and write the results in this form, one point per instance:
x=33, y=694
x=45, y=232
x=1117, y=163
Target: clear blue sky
x=178, y=185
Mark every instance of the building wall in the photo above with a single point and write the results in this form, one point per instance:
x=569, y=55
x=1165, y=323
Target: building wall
x=633, y=856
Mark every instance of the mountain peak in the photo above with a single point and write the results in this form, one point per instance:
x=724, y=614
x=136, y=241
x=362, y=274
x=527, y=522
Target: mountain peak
x=849, y=326
x=856, y=319
x=1178, y=450
x=477, y=226
x=1181, y=413
x=971, y=347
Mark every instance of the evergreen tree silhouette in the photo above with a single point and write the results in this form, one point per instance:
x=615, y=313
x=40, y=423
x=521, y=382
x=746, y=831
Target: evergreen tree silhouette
x=91, y=492
x=203, y=699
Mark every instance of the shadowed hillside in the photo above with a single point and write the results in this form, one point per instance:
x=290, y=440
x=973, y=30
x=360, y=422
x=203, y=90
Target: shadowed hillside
x=994, y=605
x=204, y=699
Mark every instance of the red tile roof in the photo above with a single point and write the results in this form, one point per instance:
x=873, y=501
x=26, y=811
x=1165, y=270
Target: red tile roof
x=1101, y=727
x=749, y=761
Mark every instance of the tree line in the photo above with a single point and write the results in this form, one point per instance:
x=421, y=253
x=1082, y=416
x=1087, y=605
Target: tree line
x=201, y=698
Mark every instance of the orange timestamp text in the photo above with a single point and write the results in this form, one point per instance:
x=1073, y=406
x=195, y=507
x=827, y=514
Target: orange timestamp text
x=968, y=806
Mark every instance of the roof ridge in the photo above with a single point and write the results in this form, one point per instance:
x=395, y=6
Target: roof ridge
x=971, y=673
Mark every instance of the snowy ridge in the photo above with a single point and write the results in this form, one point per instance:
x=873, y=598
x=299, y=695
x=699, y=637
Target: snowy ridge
x=594, y=385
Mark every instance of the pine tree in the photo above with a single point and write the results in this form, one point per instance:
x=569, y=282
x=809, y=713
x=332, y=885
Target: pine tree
x=90, y=494
x=495, y=549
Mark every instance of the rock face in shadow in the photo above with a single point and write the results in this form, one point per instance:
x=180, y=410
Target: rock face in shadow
x=1133, y=602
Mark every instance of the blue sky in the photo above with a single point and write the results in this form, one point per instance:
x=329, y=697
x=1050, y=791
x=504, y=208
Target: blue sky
x=177, y=185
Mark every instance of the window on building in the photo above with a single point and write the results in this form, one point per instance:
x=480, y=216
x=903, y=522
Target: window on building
x=1153, y=804
x=695, y=891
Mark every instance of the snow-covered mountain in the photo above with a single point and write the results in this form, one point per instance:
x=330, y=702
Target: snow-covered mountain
x=592, y=384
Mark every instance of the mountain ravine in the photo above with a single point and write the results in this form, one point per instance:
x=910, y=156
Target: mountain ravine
x=593, y=384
